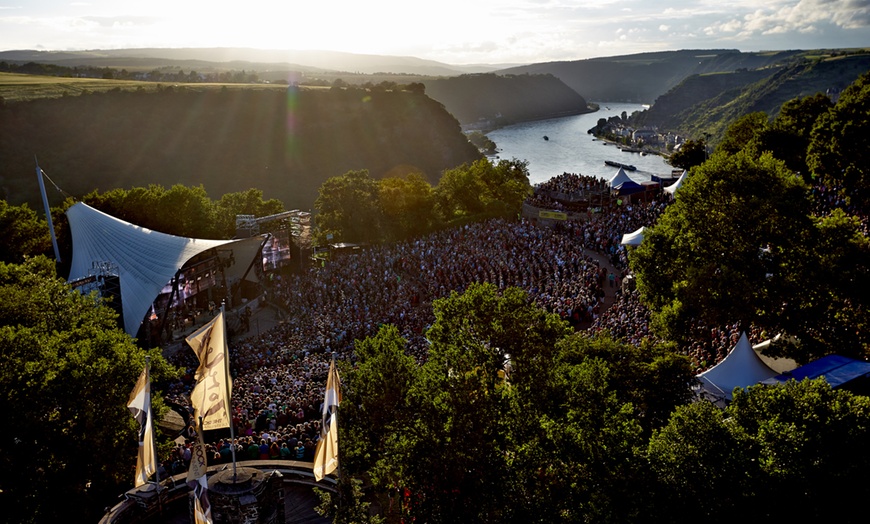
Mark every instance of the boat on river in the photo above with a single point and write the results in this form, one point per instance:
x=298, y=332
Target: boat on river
x=627, y=167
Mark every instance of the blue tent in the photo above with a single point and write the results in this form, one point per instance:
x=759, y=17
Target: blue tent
x=838, y=371
x=629, y=187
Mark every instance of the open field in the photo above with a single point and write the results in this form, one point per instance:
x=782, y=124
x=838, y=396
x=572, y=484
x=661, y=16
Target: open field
x=16, y=87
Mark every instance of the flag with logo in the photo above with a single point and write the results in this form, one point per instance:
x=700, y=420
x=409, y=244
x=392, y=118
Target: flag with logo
x=140, y=406
x=198, y=481
x=211, y=395
x=326, y=452
x=198, y=462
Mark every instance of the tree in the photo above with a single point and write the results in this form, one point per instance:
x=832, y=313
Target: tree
x=580, y=427
x=455, y=459
x=248, y=202
x=483, y=189
x=651, y=377
x=407, y=206
x=444, y=433
x=789, y=136
x=839, y=144
x=743, y=132
x=348, y=208
x=829, y=310
x=482, y=142
x=66, y=377
x=692, y=153
x=180, y=210
x=711, y=255
x=511, y=418
x=739, y=246
x=22, y=233
x=806, y=438
x=701, y=467
x=416, y=88
x=378, y=398
x=576, y=458
x=769, y=444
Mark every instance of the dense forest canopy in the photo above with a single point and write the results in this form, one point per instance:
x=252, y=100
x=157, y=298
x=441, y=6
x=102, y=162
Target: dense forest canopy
x=285, y=143
x=707, y=104
x=66, y=377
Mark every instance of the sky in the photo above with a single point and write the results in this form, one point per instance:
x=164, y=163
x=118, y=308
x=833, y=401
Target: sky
x=450, y=31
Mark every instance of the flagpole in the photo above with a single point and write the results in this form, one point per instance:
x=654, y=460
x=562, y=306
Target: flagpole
x=153, y=444
x=47, y=210
x=229, y=390
x=338, y=446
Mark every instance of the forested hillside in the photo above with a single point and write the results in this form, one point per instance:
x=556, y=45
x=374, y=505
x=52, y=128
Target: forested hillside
x=710, y=103
x=644, y=77
x=506, y=99
x=285, y=142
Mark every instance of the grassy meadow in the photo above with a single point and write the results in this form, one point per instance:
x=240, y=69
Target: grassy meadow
x=16, y=87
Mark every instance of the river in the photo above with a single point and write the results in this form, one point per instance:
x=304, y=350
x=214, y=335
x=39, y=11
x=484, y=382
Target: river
x=570, y=149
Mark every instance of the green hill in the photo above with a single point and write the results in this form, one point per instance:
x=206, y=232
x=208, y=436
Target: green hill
x=710, y=103
x=644, y=77
x=285, y=142
x=505, y=99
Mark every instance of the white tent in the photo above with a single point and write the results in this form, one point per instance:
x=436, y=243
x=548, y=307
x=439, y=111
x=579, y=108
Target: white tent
x=634, y=238
x=741, y=368
x=672, y=189
x=619, y=178
x=146, y=260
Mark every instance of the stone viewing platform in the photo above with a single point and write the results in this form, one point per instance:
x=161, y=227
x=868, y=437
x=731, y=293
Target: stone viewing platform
x=265, y=492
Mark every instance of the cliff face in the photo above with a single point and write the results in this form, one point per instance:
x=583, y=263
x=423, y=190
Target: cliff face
x=504, y=100
x=285, y=142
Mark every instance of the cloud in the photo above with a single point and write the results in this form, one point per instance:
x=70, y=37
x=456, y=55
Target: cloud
x=804, y=16
x=121, y=21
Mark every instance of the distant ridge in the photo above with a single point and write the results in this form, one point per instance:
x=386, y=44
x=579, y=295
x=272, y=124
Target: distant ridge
x=643, y=77
x=252, y=59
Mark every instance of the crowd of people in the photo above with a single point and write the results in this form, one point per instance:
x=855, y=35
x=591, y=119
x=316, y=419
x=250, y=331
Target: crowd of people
x=281, y=373
x=572, y=184
x=628, y=319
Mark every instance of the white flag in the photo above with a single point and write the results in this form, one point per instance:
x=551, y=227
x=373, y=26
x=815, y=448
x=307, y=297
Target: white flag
x=211, y=395
x=326, y=453
x=140, y=406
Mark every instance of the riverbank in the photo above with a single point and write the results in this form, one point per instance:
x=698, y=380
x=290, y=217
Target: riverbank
x=489, y=126
x=643, y=151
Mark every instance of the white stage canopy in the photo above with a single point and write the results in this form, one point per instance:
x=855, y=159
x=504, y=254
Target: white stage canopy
x=146, y=260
